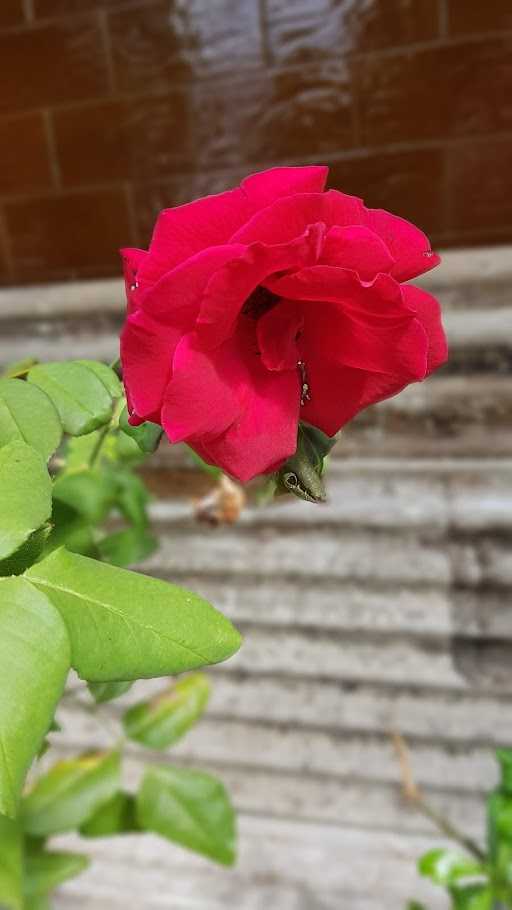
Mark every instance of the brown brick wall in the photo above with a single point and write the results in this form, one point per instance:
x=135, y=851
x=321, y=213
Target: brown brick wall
x=112, y=109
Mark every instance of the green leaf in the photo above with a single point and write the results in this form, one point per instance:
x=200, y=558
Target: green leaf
x=132, y=497
x=189, y=808
x=34, y=662
x=445, y=867
x=18, y=368
x=124, y=625
x=161, y=722
x=103, y=692
x=11, y=864
x=125, y=548
x=88, y=493
x=80, y=397
x=40, y=902
x=504, y=757
x=472, y=897
x=25, y=495
x=106, y=375
x=118, y=816
x=45, y=870
x=27, y=554
x=70, y=793
x=414, y=905
x=147, y=435
x=27, y=415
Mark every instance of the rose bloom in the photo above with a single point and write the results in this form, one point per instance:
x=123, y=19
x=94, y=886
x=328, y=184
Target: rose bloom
x=269, y=304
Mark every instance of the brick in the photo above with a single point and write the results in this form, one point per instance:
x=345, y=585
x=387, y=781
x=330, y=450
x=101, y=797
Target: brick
x=306, y=111
x=407, y=183
x=156, y=45
x=24, y=164
x=439, y=92
x=473, y=17
x=61, y=236
x=11, y=13
x=481, y=185
x=66, y=62
x=301, y=30
x=44, y=9
x=139, y=139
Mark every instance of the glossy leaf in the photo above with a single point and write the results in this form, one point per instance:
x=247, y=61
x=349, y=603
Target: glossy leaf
x=11, y=864
x=27, y=554
x=27, y=415
x=472, y=897
x=70, y=793
x=80, y=397
x=132, y=497
x=34, y=662
x=106, y=375
x=103, y=692
x=25, y=495
x=88, y=493
x=445, y=867
x=118, y=816
x=45, y=870
x=158, y=629
x=147, y=435
x=189, y=808
x=18, y=368
x=162, y=721
x=126, y=548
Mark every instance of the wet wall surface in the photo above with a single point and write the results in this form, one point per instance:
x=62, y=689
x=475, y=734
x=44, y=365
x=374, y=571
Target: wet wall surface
x=110, y=111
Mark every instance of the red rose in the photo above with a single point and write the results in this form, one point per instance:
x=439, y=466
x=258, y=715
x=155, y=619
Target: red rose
x=271, y=303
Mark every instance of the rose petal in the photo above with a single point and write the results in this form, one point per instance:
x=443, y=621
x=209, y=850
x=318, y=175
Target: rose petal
x=264, y=188
x=367, y=327
x=183, y=231
x=277, y=332
x=409, y=246
x=233, y=284
x=288, y=218
x=428, y=312
x=340, y=392
x=146, y=351
x=357, y=247
x=175, y=299
x=228, y=380
x=201, y=398
x=132, y=260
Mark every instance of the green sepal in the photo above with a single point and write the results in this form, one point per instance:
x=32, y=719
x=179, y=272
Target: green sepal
x=147, y=435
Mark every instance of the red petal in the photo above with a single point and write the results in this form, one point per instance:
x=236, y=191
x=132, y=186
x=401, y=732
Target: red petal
x=231, y=285
x=201, y=398
x=289, y=218
x=264, y=188
x=339, y=392
x=358, y=248
x=277, y=332
x=428, y=312
x=183, y=231
x=146, y=352
x=365, y=326
x=265, y=435
x=132, y=260
x=176, y=298
x=409, y=246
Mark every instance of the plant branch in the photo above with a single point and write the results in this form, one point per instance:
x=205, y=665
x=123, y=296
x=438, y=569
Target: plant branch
x=414, y=795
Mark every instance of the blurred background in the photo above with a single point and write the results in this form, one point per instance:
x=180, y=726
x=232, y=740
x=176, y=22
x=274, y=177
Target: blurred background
x=388, y=609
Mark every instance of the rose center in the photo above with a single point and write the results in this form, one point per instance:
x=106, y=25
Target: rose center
x=259, y=303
